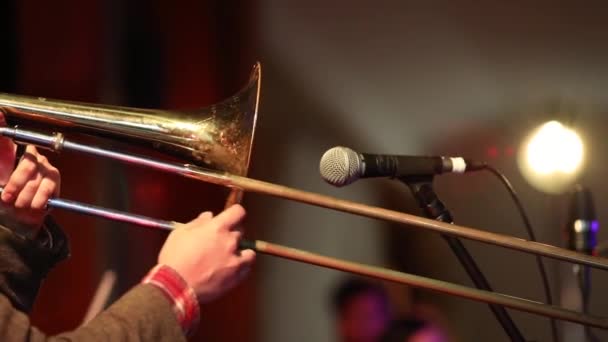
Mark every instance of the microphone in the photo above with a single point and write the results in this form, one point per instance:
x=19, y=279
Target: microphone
x=582, y=225
x=341, y=166
x=581, y=235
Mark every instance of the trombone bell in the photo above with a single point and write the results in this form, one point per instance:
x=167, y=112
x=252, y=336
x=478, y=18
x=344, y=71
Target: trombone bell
x=219, y=136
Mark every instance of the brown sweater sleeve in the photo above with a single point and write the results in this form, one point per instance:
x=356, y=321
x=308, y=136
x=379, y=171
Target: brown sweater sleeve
x=24, y=263
x=143, y=314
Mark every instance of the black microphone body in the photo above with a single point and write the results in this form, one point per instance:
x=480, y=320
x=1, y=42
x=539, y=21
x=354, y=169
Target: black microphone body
x=341, y=166
x=378, y=165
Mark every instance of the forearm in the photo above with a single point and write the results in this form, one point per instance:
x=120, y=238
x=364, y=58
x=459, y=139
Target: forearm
x=164, y=308
x=25, y=262
x=143, y=314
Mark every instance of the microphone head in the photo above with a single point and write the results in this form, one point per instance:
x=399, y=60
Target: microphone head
x=341, y=166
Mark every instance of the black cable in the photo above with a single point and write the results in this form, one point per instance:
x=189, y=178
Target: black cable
x=532, y=236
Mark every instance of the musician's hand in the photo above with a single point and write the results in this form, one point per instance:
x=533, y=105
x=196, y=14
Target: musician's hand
x=29, y=186
x=8, y=150
x=205, y=253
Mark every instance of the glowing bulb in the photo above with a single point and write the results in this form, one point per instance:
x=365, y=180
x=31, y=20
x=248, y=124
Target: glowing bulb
x=552, y=157
x=555, y=148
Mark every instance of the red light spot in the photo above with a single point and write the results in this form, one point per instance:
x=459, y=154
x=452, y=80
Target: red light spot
x=492, y=152
x=509, y=151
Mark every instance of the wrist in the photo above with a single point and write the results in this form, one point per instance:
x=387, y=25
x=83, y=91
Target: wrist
x=24, y=228
x=181, y=296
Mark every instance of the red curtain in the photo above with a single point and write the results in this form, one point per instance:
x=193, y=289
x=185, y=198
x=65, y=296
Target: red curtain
x=207, y=52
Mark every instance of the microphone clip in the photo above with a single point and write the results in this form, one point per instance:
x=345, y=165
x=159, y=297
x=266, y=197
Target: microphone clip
x=422, y=189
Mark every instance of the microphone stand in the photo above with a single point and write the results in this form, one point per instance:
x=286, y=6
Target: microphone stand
x=422, y=189
x=582, y=237
x=584, y=280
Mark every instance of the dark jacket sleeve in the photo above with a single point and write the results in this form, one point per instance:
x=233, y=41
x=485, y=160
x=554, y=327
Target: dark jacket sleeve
x=24, y=262
x=143, y=314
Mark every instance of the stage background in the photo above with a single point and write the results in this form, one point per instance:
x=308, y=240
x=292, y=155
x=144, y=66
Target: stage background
x=442, y=77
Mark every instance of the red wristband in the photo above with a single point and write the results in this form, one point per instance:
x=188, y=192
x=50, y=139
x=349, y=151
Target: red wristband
x=180, y=294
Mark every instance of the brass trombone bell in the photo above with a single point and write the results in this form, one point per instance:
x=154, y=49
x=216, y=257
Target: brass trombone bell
x=218, y=136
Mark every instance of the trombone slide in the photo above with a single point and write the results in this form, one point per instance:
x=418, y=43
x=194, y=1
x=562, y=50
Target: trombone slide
x=352, y=267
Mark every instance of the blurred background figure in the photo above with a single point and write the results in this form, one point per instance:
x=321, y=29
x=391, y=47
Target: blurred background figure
x=362, y=310
x=413, y=330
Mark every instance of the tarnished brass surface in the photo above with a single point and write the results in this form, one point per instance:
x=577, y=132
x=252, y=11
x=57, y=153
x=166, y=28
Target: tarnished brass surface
x=218, y=136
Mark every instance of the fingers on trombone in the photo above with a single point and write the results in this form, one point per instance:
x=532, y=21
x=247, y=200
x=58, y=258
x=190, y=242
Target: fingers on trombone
x=246, y=258
x=49, y=186
x=9, y=150
x=46, y=190
x=201, y=220
x=33, y=182
x=26, y=195
x=229, y=218
x=205, y=216
x=25, y=171
x=236, y=236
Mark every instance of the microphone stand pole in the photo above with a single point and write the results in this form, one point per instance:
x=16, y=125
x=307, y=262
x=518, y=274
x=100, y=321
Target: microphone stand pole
x=581, y=231
x=584, y=278
x=422, y=189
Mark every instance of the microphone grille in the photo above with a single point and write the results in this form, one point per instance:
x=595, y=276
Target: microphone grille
x=340, y=166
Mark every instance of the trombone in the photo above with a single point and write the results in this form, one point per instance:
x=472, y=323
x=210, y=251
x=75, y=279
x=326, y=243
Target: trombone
x=216, y=144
